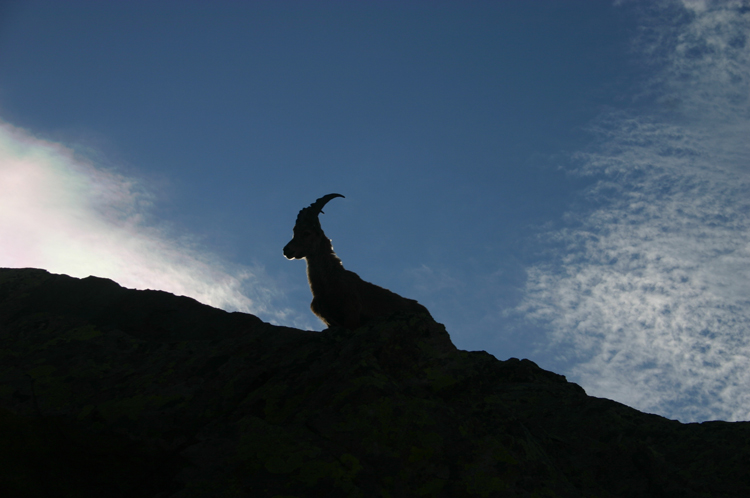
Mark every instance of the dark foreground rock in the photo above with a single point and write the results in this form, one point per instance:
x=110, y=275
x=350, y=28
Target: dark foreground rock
x=106, y=391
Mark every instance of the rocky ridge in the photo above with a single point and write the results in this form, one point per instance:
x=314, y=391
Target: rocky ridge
x=107, y=391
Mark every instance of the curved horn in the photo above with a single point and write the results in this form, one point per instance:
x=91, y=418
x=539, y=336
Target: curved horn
x=310, y=213
x=318, y=205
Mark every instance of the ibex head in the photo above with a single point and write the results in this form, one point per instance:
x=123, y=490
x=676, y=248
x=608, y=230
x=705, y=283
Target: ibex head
x=308, y=234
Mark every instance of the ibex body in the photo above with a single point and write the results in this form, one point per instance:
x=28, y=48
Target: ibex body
x=340, y=297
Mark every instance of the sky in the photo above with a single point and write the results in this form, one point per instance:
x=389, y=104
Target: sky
x=564, y=181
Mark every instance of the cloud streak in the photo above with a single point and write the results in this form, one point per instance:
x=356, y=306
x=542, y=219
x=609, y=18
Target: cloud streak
x=649, y=301
x=66, y=215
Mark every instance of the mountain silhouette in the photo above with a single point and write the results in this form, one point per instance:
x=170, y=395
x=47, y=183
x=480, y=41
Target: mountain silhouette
x=107, y=391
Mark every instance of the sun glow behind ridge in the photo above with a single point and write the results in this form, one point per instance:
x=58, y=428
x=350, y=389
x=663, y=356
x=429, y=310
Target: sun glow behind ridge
x=66, y=215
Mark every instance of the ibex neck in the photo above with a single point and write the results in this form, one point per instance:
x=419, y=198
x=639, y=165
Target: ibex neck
x=321, y=269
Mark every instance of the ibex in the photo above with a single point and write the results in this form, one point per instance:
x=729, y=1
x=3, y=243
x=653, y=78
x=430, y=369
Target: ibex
x=340, y=297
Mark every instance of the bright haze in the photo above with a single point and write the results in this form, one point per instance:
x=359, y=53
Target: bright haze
x=567, y=182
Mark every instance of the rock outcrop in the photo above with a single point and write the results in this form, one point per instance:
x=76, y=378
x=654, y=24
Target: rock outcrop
x=106, y=391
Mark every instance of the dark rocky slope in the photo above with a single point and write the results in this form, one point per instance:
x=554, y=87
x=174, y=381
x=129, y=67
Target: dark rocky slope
x=106, y=391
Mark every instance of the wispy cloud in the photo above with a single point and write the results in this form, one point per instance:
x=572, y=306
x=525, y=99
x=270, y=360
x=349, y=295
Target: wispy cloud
x=64, y=214
x=649, y=302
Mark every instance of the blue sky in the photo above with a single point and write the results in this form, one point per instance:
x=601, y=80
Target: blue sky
x=560, y=181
